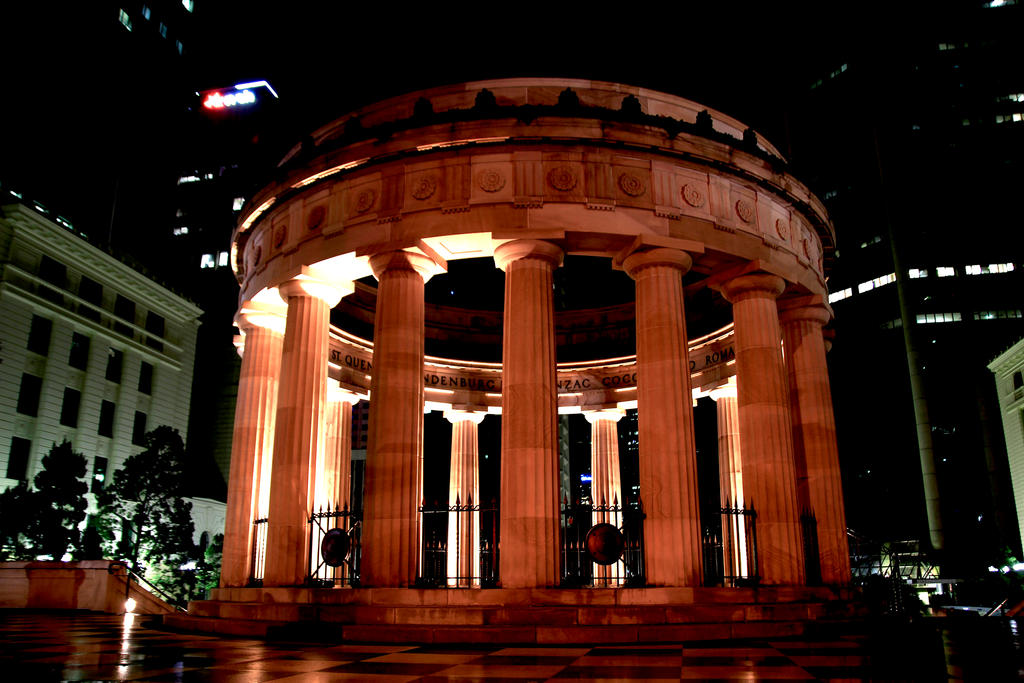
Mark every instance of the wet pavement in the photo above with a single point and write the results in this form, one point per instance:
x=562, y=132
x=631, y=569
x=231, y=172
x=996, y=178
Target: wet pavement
x=40, y=646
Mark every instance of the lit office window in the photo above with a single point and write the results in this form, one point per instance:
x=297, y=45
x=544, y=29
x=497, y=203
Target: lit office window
x=145, y=12
x=927, y=318
x=840, y=295
x=222, y=258
x=163, y=30
x=183, y=230
x=189, y=5
x=178, y=45
x=917, y=273
x=876, y=282
x=1012, y=97
x=874, y=240
x=997, y=315
x=125, y=20
x=1009, y=118
x=188, y=179
x=990, y=268
x=207, y=261
x=999, y=3
x=945, y=271
x=236, y=204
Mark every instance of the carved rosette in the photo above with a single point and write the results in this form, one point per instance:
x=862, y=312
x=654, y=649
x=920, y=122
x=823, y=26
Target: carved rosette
x=632, y=185
x=562, y=178
x=810, y=246
x=280, y=234
x=424, y=187
x=316, y=217
x=365, y=200
x=782, y=229
x=490, y=180
x=745, y=210
x=693, y=196
x=257, y=254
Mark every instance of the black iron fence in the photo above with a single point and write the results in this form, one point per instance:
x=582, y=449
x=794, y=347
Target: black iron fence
x=730, y=550
x=460, y=545
x=603, y=545
x=259, y=552
x=334, y=548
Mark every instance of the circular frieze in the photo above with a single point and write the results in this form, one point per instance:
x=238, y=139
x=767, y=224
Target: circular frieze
x=279, y=236
x=809, y=247
x=632, y=185
x=745, y=210
x=490, y=180
x=364, y=202
x=693, y=196
x=257, y=254
x=424, y=187
x=316, y=217
x=562, y=178
x=782, y=228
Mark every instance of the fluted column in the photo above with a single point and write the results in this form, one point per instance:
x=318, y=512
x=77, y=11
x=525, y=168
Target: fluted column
x=253, y=437
x=394, y=455
x=730, y=478
x=464, y=490
x=814, y=432
x=335, y=470
x=529, y=403
x=668, y=457
x=766, y=435
x=298, y=431
x=605, y=482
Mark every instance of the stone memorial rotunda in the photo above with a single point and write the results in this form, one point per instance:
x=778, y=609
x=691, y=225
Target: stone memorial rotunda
x=697, y=209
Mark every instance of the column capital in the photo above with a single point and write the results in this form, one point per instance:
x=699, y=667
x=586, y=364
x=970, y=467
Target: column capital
x=316, y=284
x=261, y=314
x=528, y=249
x=753, y=284
x=727, y=390
x=608, y=414
x=660, y=256
x=402, y=260
x=801, y=309
x=473, y=416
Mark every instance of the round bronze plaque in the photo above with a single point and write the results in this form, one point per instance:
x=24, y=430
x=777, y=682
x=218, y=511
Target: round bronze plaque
x=604, y=544
x=334, y=547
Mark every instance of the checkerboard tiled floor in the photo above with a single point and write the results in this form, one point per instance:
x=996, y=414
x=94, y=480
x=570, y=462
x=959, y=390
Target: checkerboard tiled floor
x=38, y=646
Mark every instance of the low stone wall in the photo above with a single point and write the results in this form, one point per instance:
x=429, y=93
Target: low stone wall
x=86, y=585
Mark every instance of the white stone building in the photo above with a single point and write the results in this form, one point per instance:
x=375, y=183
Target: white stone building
x=91, y=351
x=1009, y=375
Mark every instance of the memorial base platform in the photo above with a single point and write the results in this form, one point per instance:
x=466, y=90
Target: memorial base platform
x=538, y=616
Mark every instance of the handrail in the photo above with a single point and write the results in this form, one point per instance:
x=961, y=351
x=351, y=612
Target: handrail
x=149, y=586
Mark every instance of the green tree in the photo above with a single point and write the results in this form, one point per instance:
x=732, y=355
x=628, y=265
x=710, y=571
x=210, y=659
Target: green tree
x=60, y=500
x=147, y=493
x=18, y=508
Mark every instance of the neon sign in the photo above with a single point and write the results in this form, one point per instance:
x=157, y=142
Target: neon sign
x=237, y=95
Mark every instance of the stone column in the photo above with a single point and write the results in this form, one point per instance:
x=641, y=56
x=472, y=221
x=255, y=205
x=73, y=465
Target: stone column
x=335, y=470
x=730, y=477
x=605, y=482
x=298, y=432
x=529, y=403
x=766, y=434
x=464, y=489
x=668, y=457
x=814, y=432
x=253, y=437
x=394, y=454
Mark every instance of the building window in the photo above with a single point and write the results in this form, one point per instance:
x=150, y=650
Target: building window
x=840, y=295
x=125, y=20
x=91, y=291
x=56, y=274
x=28, y=396
x=99, y=474
x=183, y=230
x=146, y=14
x=917, y=273
x=163, y=30
x=17, y=461
x=115, y=362
x=106, y=427
x=146, y=378
x=945, y=271
x=222, y=259
x=189, y=5
x=925, y=318
x=207, y=261
x=237, y=203
x=139, y=429
x=990, y=268
x=69, y=408
x=79, y=356
x=39, y=335
x=178, y=45
x=876, y=282
x=124, y=308
x=997, y=315
x=156, y=326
